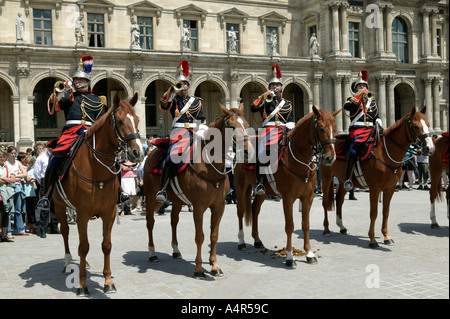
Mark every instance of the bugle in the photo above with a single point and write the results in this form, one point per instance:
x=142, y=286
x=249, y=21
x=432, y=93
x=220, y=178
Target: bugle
x=178, y=86
x=269, y=96
x=59, y=86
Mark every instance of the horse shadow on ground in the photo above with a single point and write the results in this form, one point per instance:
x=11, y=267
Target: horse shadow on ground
x=343, y=239
x=423, y=229
x=50, y=273
x=166, y=264
x=263, y=256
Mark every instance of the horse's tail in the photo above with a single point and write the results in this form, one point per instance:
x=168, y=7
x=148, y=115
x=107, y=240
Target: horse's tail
x=328, y=197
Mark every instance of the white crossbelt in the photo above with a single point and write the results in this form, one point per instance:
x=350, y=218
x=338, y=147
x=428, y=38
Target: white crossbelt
x=185, y=125
x=78, y=122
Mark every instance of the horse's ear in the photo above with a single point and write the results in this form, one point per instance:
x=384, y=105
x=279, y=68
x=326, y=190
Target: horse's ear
x=423, y=110
x=224, y=109
x=316, y=110
x=336, y=112
x=116, y=100
x=134, y=99
x=241, y=107
x=413, y=111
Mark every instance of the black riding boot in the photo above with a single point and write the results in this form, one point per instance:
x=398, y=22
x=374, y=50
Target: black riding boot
x=348, y=185
x=161, y=196
x=51, y=175
x=259, y=189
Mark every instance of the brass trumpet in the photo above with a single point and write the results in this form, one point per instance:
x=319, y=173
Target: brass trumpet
x=370, y=95
x=269, y=96
x=178, y=86
x=59, y=86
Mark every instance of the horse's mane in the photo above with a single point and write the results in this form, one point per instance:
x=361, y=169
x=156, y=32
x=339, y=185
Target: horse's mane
x=98, y=123
x=395, y=126
x=300, y=122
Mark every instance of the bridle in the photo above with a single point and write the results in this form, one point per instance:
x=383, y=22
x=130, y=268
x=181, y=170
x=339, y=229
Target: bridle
x=417, y=139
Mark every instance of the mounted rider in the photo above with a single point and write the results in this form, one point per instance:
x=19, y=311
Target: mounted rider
x=363, y=111
x=81, y=109
x=188, y=121
x=277, y=116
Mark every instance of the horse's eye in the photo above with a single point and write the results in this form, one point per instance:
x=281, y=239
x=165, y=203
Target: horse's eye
x=119, y=122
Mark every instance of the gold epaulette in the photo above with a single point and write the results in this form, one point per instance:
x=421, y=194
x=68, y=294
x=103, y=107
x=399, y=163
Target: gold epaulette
x=103, y=99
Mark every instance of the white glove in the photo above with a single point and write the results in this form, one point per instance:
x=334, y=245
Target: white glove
x=378, y=121
x=290, y=125
x=201, y=131
x=172, y=96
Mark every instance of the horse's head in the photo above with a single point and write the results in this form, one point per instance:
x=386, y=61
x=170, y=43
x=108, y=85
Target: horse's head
x=234, y=120
x=125, y=122
x=418, y=131
x=324, y=127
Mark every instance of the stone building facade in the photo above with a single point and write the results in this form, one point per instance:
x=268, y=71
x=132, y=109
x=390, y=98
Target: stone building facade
x=402, y=44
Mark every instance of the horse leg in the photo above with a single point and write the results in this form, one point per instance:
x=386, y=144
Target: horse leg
x=241, y=205
x=340, y=196
x=373, y=217
x=150, y=218
x=256, y=209
x=83, y=249
x=174, y=218
x=387, y=196
x=199, y=238
x=108, y=222
x=306, y=208
x=327, y=202
x=289, y=229
x=434, y=190
x=60, y=212
x=216, y=217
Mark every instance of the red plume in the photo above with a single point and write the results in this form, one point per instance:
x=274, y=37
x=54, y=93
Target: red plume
x=277, y=68
x=365, y=75
x=185, y=66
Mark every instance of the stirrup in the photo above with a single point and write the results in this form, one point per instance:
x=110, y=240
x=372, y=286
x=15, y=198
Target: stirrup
x=43, y=203
x=260, y=189
x=348, y=185
x=161, y=196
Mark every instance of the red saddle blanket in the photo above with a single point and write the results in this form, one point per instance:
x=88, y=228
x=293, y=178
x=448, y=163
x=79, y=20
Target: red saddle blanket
x=446, y=155
x=180, y=145
x=343, y=145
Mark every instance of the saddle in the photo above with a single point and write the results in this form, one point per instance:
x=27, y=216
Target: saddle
x=74, y=147
x=277, y=135
x=343, y=144
x=179, y=148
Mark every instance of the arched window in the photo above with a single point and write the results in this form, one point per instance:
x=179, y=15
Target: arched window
x=400, y=39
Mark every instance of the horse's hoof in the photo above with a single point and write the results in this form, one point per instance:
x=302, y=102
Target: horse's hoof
x=242, y=247
x=176, y=256
x=374, y=245
x=199, y=274
x=109, y=289
x=344, y=231
x=259, y=245
x=291, y=263
x=435, y=226
x=311, y=260
x=153, y=259
x=326, y=233
x=82, y=292
x=389, y=242
x=217, y=273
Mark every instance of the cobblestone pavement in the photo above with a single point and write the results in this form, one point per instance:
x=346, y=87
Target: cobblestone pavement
x=417, y=266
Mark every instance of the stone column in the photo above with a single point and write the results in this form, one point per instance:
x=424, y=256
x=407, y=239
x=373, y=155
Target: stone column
x=380, y=33
x=390, y=118
x=139, y=108
x=388, y=10
x=25, y=114
x=337, y=80
x=436, y=105
x=345, y=119
x=316, y=91
x=434, y=33
x=344, y=27
x=428, y=101
x=234, y=77
x=426, y=31
x=335, y=25
x=382, y=98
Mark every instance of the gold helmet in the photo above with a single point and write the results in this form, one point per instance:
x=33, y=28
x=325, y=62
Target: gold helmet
x=362, y=79
x=84, y=68
x=183, y=72
x=276, y=75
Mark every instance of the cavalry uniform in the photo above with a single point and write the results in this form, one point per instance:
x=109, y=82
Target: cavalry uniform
x=278, y=117
x=80, y=110
x=188, y=120
x=364, y=116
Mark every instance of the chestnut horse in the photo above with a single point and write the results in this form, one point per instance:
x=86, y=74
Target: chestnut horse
x=202, y=184
x=381, y=172
x=295, y=178
x=437, y=166
x=90, y=185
